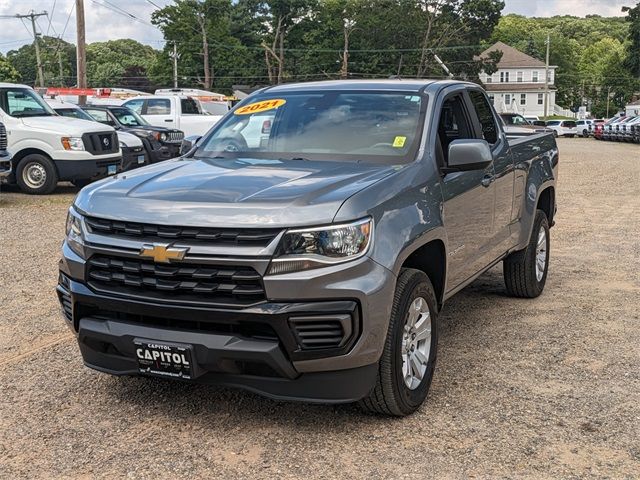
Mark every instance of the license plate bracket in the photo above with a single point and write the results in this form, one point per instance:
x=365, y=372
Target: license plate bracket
x=164, y=359
x=140, y=159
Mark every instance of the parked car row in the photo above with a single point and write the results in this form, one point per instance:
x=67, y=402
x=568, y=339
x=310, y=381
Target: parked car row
x=44, y=142
x=620, y=129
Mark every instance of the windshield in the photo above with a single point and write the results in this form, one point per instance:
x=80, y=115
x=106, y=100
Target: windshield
x=128, y=117
x=74, y=113
x=340, y=126
x=23, y=102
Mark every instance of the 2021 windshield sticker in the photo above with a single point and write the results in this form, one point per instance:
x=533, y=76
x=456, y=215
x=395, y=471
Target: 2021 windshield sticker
x=262, y=106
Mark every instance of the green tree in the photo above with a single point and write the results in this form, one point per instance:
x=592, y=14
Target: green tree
x=7, y=72
x=632, y=61
x=54, y=54
x=119, y=63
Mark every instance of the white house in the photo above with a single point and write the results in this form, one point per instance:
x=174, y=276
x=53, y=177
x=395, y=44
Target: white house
x=518, y=84
x=632, y=109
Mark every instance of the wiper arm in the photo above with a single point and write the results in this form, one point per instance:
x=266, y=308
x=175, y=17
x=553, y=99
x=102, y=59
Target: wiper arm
x=302, y=159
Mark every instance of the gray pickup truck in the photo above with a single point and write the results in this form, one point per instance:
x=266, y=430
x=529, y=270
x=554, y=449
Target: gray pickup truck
x=304, y=247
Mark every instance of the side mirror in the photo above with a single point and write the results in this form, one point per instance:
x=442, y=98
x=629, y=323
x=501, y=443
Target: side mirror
x=467, y=155
x=188, y=143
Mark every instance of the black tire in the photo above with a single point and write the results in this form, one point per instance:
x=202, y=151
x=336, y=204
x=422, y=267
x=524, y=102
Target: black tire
x=519, y=268
x=391, y=395
x=36, y=175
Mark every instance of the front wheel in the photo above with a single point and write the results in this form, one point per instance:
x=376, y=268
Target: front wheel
x=409, y=357
x=525, y=271
x=36, y=175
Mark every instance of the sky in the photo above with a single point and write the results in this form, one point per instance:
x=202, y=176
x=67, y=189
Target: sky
x=103, y=23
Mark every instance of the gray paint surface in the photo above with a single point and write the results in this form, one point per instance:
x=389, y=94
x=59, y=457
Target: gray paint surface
x=411, y=205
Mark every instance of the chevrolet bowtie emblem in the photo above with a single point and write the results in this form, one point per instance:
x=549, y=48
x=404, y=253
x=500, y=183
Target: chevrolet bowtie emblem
x=162, y=253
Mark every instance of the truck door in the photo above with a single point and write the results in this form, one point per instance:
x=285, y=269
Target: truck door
x=504, y=170
x=158, y=111
x=469, y=196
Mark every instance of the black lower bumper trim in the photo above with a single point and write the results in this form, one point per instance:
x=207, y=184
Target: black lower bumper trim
x=109, y=347
x=86, y=169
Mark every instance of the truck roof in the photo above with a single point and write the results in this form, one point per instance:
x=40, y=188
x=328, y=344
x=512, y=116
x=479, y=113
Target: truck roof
x=414, y=85
x=14, y=85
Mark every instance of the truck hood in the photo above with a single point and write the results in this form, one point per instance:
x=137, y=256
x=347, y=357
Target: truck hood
x=65, y=126
x=230, y=192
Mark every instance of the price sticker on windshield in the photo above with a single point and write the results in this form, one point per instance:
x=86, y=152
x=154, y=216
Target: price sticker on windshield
x=262, y=106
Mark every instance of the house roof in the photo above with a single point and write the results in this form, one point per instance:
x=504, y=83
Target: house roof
x=633, y=104
x=511, y=57
x=516, y=87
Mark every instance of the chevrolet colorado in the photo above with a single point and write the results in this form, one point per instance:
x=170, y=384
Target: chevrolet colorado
x=310, y=262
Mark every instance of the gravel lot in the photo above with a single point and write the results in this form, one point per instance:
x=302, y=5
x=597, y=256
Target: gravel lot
x=542, y=388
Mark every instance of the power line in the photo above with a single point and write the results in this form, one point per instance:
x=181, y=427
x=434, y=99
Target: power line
x=50, y=16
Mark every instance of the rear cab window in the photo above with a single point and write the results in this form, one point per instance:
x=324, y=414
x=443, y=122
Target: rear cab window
x=485, y=116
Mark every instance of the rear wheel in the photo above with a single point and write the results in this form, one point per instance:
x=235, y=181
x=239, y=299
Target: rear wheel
x=36, y=175
x=525, y=271
x=409, y=357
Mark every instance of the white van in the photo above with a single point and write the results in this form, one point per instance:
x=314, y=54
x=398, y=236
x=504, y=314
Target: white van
x=46, y=147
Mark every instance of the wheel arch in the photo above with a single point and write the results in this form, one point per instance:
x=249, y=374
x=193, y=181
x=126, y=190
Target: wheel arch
x=431, y=258
x=546, y=203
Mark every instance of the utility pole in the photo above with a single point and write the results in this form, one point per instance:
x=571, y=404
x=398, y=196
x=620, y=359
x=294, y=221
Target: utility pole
x=546, y=80
x=32, y=16
x=81, y=55
x=608, y=100
x=174, y=56
x=60, y=65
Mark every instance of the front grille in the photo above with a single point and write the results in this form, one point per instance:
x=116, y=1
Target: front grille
x=253, y=236
x=3, y=137
x=184, y=282
x=175, y=137
x=321, y=332
x=101, y=143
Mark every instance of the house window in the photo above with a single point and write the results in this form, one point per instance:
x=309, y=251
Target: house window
x=489, y=79
x=534, y=76
x=492, y=98
x=523, y=99
x=520, y=77
x=507, y=99
x=549, y=77
x=540, y=98
x=504, y=77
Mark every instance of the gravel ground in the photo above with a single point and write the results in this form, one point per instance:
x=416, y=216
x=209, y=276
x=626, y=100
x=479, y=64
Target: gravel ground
x=530, y=389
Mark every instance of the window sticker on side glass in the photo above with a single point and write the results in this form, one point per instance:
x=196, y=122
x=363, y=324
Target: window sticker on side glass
x=398, y=142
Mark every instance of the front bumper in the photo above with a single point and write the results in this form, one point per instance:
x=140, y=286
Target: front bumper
x=133, y=158
x=93, y=168
x=254, y=348
x=5, y=164
x=158, y=152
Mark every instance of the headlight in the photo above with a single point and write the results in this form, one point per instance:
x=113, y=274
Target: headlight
x=72, y=143
x=74, y=232
x=163, y=137
x=123, y=145
x=304, y=249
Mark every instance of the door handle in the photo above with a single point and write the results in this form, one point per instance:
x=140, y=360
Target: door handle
x=168, y=120
x=487, y=180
